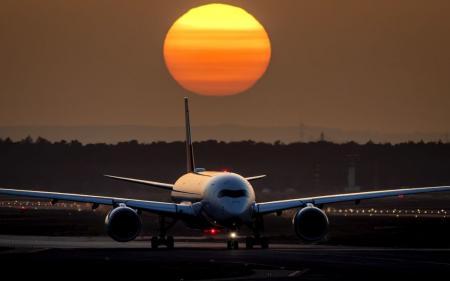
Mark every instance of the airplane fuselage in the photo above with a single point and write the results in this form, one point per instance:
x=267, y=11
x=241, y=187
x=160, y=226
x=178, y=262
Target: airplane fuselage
x=226, y=199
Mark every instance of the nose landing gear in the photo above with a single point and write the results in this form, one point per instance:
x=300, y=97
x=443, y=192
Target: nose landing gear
x=232, y=242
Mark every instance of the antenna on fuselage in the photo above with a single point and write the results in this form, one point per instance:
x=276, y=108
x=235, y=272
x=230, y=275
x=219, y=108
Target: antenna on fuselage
x=189, y=148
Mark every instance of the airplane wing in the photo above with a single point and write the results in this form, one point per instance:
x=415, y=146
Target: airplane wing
x=276, y=206
x=149, y=206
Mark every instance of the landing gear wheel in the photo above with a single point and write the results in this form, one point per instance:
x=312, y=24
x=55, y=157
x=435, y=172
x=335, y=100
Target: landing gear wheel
x=235, y=244
x=162, y=238
x=168, y=241
x=232, y=244
x=264, y=243
x=154, y=242
x=249, y=241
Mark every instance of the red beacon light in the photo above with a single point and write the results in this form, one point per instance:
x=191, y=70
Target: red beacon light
x=211, y=231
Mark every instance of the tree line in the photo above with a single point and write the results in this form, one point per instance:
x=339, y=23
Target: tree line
x=293, y=169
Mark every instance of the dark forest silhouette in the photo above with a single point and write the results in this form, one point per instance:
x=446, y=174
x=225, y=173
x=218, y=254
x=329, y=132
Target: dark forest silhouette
x=296, y=169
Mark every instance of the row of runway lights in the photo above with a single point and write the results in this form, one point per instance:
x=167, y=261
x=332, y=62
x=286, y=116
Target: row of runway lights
x=38, y=205
x=335, y=211
x=394, y=212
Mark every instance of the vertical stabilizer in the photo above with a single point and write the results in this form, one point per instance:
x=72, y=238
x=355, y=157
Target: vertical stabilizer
x=189, y=149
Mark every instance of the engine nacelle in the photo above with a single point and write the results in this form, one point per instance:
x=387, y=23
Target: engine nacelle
x=310, y=224
x=123, y=224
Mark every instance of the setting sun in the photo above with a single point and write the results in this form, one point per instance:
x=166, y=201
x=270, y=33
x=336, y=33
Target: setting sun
x=217, y=50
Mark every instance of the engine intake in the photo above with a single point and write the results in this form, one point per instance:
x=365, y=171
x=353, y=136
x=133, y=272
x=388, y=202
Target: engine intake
x=123, y=224
x=310, y=224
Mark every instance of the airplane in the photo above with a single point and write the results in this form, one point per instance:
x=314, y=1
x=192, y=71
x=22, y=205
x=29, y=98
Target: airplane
x=210, y=200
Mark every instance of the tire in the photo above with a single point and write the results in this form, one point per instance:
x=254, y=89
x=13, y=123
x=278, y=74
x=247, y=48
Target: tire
x=170, y=242
x=235, y=244
x=249, y=243
x=229, y=245
x=154, y=242
x=264, y=243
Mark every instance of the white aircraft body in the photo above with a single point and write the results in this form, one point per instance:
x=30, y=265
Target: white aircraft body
x=213, y=200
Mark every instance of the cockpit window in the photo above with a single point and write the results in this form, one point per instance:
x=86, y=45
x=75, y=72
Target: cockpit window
x=232, y=193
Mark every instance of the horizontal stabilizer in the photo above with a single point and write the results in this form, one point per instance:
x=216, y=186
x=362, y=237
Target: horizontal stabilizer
x=161, y=185
x=255, y=177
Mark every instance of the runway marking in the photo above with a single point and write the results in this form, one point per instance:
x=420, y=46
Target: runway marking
x=384, y=259
x=261, y=274
x=298, y=273
x=39, y=242
x=282, y=248
x=23, y=251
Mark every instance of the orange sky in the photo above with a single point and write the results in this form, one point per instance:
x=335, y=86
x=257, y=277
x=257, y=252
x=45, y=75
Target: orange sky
x=381, y=66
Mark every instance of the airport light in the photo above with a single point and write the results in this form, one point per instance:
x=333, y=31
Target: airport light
x=212, y=231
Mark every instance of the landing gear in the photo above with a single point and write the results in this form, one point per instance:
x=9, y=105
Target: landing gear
x=167, y=241
x=257, y=239
x=232, y=244
x=252, y=241
x=162, y=238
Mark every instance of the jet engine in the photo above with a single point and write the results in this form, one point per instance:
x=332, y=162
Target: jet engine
x=123, y=224
x=310, y=224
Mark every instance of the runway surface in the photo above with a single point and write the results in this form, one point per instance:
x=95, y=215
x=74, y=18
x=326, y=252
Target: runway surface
x=206, y=260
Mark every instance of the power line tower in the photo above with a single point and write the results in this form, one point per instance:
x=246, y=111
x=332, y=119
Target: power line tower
x=301, y=132
x=322, y=137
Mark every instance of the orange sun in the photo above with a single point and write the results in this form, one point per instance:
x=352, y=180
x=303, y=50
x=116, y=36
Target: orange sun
x=217, y=50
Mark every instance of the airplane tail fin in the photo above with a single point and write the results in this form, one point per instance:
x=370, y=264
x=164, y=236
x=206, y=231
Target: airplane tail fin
x=189, y=148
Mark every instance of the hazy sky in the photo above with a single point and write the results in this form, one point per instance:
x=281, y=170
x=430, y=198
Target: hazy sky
x=379, y=65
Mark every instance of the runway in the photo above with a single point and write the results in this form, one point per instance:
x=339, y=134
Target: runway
x=206, y=260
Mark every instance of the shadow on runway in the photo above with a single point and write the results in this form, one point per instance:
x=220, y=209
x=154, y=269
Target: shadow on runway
x=57, y=257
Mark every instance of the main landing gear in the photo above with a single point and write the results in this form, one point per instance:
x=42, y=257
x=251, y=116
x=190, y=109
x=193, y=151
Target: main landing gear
x=162, y=238
x=251, y=241
x=167, y=241
x=257, y=239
